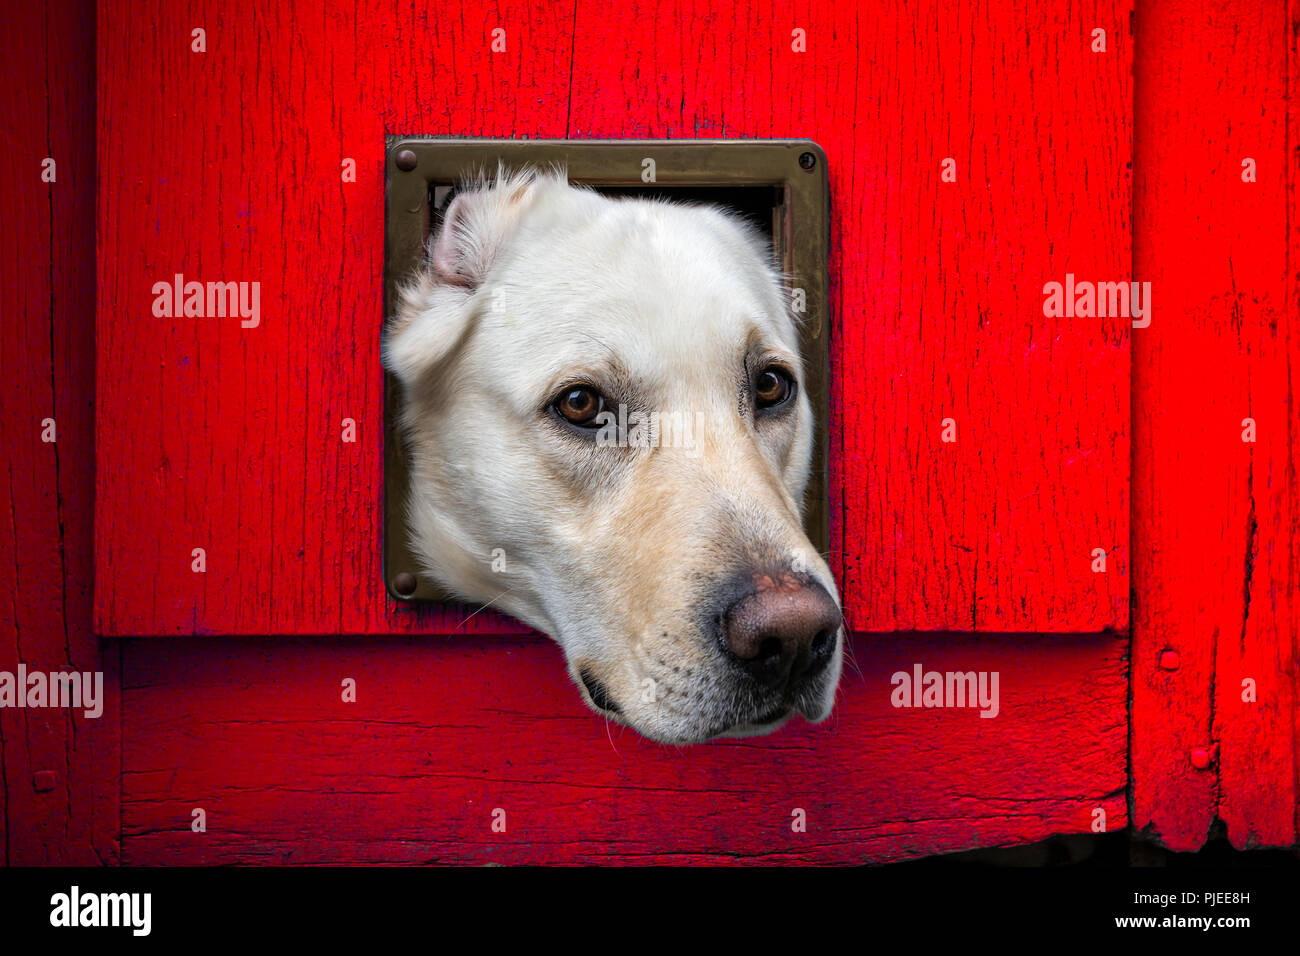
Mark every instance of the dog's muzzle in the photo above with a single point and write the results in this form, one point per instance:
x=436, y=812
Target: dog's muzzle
x=774, y=638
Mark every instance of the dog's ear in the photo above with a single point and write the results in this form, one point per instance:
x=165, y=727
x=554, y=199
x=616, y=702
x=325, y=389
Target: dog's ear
x=430, y=321
x=477, y=224
x=436, y=310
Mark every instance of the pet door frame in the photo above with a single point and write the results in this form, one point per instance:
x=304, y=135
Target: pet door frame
x=795, y=168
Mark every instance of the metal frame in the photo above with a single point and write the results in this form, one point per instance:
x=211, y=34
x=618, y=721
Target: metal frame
x=801, y=235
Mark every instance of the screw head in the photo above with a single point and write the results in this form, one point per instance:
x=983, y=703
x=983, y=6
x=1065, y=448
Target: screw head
x=807, y=160
x=1200, y=758
x=406, y=160
x=404, y=583
x=1169, y=660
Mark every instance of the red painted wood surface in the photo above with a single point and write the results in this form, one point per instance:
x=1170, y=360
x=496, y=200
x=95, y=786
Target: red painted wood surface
x=228, y=439
x=445, y=732
x=59, y=770
x=939, y=309
x=232, y=435
x=1217, y=535
x=253, y=730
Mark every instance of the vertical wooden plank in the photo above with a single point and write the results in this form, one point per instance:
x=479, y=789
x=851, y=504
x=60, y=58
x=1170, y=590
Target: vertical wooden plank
x=1256, y=679
x=937, y=286
x=1216, y=565
x=995, y=531
x=60, y=768
x=1293, y=372
x=238, y=430
x=1255, y=683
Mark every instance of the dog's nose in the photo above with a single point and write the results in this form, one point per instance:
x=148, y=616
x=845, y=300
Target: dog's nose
x=783, y=630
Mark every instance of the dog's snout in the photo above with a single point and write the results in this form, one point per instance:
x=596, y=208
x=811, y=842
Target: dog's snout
x=783, y=630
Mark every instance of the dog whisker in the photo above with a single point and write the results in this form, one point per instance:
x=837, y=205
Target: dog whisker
x=610, y=737
x=852, y=658
x=485, y=606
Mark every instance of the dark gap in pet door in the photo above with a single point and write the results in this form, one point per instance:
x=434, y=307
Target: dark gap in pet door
x=778, y=185
x=760, y=206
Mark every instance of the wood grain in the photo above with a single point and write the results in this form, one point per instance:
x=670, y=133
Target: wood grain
x=59, y=770
x=442, y=733
x=228, y=439
x=234, y=435
x=1217, y=569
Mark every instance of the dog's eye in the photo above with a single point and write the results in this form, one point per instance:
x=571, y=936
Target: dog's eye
x=579, y=405
x=773, y=387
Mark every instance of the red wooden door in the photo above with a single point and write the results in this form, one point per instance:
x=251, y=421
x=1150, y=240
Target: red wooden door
x=228, y=438
x=227, y=165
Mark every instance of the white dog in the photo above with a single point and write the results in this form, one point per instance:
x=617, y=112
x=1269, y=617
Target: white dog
x=609, y=439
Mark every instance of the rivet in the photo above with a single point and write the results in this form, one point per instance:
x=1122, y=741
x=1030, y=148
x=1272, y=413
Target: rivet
x=406, y=160
x=1200, y=758
x=43, y=781
x=807, y=160
x=1169, y=660
x=404, y=583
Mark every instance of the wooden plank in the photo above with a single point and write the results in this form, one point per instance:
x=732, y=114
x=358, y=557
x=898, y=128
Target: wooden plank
x=59, y=769
x=1217, y=567
x=227, y=438
x=1257, y=757
x=936, y=286
x=995, y=531
x=939, y=309
x=442, y=733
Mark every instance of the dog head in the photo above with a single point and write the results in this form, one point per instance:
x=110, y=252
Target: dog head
x=609, y=439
